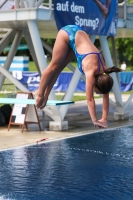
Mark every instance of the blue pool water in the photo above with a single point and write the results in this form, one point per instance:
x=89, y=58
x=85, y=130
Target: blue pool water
x=92, y=167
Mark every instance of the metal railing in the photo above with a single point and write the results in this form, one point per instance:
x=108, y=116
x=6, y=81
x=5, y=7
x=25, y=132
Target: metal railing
x=21, y=4
x=125, y=10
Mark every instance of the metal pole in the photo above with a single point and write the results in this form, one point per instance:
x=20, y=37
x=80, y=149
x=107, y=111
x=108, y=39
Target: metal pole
x=38, y=3
x=33, y=29
x=13, y=80
x=16, y=4
x=11, y=55
x=47, y=46
x=114, y=51
x=70, y=91
x=115, y=57
x=50, y=4
x=31, y=48
x=92, y=38
x=26, y=4
x=22, y=4
x=126, y=104
x=32, y=3
x=125, y=9
x=7, y=39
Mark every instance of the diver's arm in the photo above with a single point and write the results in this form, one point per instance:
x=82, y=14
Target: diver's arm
x=105, y=109
x=90, y=80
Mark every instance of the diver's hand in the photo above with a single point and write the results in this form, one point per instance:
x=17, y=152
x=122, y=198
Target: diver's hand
x=104, y=122
x=100, y=124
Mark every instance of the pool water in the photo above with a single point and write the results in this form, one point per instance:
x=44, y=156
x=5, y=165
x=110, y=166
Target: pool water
x=91, y=167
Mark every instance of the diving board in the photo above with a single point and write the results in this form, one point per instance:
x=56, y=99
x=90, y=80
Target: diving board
x=24, y=110
x=33, y=101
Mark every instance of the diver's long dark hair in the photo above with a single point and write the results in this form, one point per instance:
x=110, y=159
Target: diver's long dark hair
x=104, y=82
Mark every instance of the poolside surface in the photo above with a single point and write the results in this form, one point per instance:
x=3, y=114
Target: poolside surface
x=79, y=124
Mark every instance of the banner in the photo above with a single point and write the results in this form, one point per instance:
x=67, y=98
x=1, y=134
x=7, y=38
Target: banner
x=32, y=80
x=96, y=17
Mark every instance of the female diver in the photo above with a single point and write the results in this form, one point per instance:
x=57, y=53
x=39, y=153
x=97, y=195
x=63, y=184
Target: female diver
x=72, y=40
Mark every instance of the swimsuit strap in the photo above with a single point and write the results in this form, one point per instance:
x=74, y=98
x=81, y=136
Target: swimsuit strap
x=99, y=60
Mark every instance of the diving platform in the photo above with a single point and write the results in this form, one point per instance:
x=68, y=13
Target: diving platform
x=44, y=17
x=17, y=19
x=35, y=23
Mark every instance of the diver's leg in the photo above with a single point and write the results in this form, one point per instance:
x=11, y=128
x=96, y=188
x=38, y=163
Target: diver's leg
x=69, y=57
x=62, y=54
x=59, y=54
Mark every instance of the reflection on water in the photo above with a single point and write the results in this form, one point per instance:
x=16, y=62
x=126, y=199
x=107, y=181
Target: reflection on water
x=97, y=166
